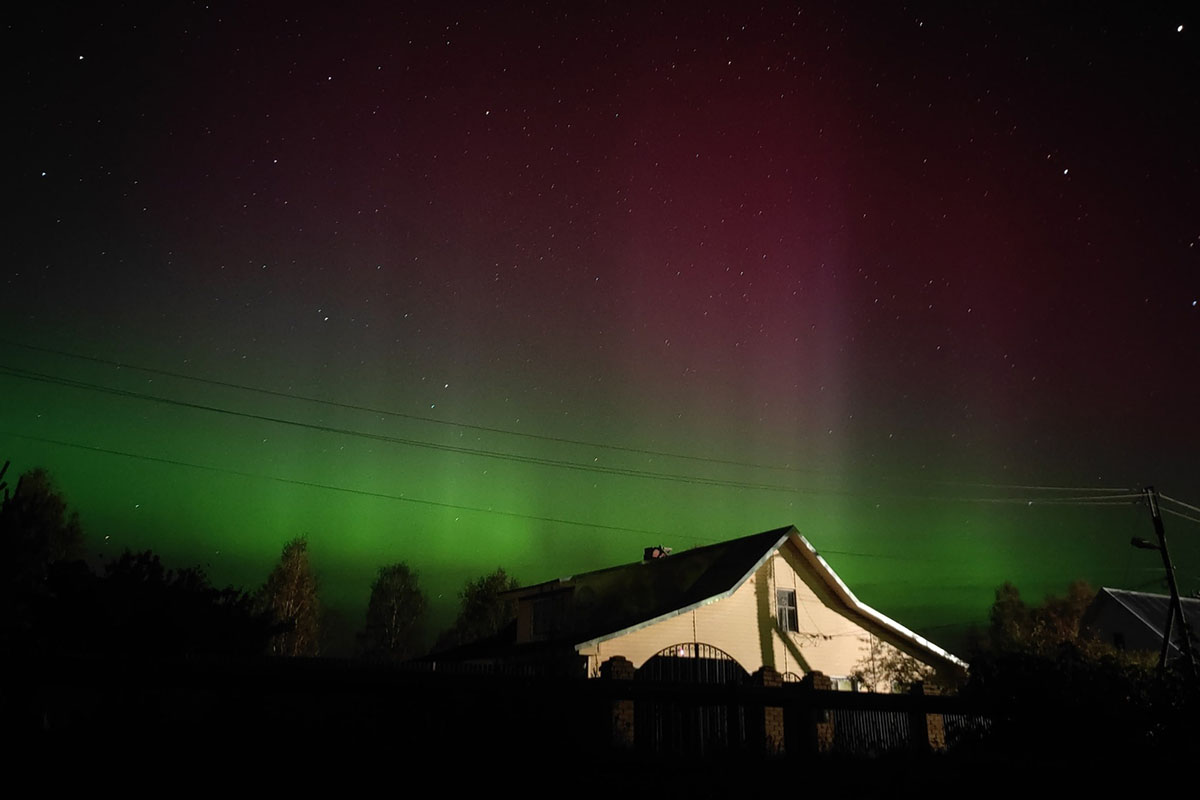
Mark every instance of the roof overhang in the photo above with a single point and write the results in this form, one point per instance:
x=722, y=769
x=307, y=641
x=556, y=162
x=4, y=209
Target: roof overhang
x=821, y=568
x=693, y=606
x=840, y=588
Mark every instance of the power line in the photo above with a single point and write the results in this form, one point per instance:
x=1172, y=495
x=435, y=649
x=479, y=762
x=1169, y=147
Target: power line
x=628, y=472
x=514, y=457
x=400, y=415
x=1188, y=517
x=401, y=498
x=534, y=436
x=890, y=556
x=1179, y=502
x=1033, y=488
x=1105, y=500
x=343, y=489
x=423, y=501
x=531, y=460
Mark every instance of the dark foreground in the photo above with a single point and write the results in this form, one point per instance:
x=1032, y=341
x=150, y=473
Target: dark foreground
x=347, y=720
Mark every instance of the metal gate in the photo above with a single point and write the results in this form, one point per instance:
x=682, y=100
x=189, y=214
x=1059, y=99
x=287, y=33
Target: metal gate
x=870, y=732
x=689, y=724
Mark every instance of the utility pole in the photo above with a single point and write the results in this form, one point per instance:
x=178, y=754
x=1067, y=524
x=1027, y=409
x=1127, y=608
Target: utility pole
x=1176, y=607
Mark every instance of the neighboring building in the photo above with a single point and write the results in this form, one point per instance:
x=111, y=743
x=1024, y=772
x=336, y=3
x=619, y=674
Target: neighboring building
x=1137, y=620
x=762, y=600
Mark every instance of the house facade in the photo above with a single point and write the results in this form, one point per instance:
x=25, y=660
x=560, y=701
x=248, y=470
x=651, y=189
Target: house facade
x=767, y=600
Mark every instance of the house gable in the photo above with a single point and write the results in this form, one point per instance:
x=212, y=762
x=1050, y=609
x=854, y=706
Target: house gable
x=877, y=623
x=606, y=603
x=832, y=631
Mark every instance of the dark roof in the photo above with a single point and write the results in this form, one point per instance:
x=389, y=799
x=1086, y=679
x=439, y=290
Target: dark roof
x=623, y=597
x=616, y=600
x=1150, y=609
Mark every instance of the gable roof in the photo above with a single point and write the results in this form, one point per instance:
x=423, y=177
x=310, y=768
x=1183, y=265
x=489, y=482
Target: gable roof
x=612, y=602
x=1150, y=610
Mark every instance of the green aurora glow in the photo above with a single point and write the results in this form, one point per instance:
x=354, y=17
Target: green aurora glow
x=896, y=262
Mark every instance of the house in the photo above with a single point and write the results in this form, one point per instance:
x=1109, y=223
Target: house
x=764, y=600
x=1136, y=620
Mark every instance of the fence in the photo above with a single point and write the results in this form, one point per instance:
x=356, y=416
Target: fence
x=764, y=713
x=550, y=716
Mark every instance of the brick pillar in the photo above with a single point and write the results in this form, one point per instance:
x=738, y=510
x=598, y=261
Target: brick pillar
x=928, y=730
x=772, y=716
x=819, y=734
x=619, y=668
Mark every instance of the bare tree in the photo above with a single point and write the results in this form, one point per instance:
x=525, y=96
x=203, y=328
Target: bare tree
x=395, y=615
x=886, y=668
x=290, y=594
x=484, y=612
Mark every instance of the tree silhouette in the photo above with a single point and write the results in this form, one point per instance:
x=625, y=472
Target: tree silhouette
x=1035, y=664
x=1015, y=626
x=885, y=668
x=483, y=612
x=290, y=595
x=36, y=529
x=395, y=615
x=139, y=607
x=36, y=532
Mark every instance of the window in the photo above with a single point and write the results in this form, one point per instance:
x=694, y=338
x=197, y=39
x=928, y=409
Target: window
x=785, y=610
x=844, y=684
x=548, y=614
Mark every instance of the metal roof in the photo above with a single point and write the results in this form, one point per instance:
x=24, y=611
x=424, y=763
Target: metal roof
x=1152, y=609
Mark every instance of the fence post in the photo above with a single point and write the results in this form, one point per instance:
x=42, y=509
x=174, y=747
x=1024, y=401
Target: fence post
x=928, y=731
x=619, y=668
x=818, y=734
x=772, y=716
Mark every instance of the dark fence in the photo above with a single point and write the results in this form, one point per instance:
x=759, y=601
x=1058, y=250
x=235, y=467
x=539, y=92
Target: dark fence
x=766, y=715
x=506, y=715
x=869, y=732
x=965, y=729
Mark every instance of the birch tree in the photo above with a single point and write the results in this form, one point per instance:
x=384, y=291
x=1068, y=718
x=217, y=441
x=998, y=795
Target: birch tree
x=290, y=594
x=395, y=615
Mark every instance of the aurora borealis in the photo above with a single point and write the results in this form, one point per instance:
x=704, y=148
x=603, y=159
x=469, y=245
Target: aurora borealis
x=574, y=279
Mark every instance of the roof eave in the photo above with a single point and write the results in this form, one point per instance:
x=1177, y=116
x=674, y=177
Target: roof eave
x=854, y=603
x=832, y=579
x=767, y=553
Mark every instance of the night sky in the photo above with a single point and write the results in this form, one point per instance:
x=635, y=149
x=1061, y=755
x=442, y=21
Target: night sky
x=537, y=286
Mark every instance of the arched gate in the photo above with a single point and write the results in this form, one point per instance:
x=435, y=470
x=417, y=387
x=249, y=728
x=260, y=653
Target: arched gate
x=691, y=721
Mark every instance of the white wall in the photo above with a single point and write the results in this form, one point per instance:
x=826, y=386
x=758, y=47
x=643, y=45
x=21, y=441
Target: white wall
x=744, y=626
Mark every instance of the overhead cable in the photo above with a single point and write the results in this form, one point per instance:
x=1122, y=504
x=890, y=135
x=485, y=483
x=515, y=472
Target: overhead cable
x=1162, y=496
x=343, y=489
x=533, y=436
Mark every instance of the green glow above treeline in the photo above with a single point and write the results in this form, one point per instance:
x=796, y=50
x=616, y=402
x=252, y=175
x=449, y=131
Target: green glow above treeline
x=225, y=491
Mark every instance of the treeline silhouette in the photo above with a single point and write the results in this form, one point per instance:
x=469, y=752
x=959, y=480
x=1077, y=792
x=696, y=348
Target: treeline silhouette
x=53, y=603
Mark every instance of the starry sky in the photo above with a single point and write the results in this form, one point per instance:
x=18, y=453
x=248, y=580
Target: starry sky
x=538, y=285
